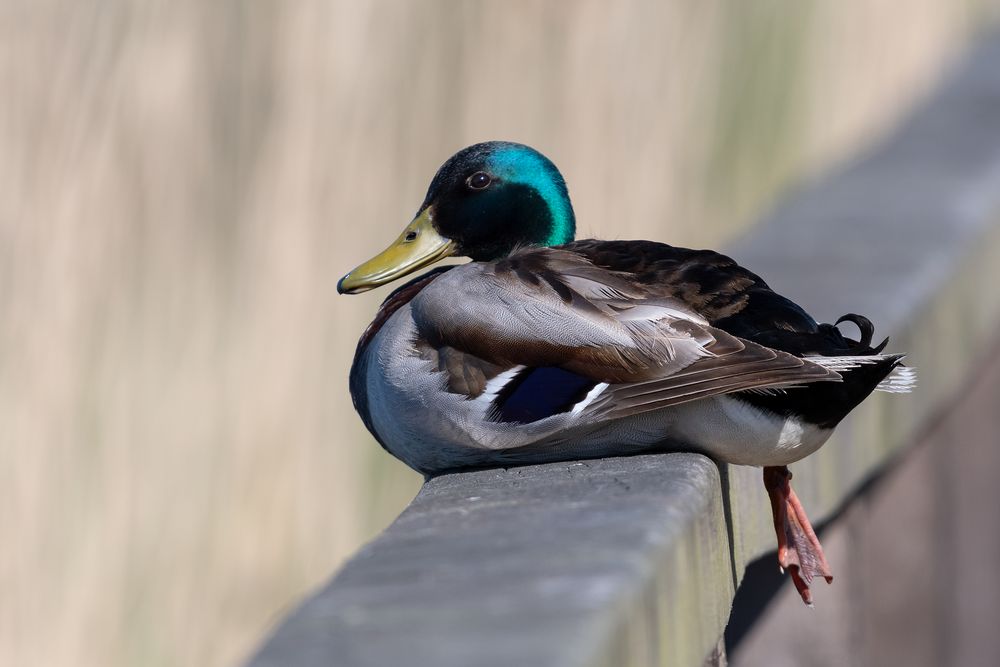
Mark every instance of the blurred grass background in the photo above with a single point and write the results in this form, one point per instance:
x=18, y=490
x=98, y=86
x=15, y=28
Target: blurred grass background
x=182, y=183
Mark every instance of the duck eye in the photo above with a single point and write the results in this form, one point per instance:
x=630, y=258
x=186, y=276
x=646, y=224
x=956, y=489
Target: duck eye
x=479, y=180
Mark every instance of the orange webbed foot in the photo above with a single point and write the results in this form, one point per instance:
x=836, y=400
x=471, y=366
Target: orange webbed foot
x=799, y=550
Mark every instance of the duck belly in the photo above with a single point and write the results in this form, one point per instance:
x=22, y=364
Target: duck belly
x=431, y=437
x=734, y=431
x=433, y=430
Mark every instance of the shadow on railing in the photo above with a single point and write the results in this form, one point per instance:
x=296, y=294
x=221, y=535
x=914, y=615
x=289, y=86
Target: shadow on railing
x=637, y=560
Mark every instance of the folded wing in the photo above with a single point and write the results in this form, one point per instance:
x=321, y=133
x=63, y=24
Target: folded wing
x=546, y=332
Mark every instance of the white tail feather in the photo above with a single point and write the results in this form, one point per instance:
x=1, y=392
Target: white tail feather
x=847, y=363
x=901, y=380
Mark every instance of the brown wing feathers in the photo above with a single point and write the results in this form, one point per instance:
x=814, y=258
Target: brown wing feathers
x=753, y=367
x=554, y=308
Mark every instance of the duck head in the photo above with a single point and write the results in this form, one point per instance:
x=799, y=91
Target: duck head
x=484, y=202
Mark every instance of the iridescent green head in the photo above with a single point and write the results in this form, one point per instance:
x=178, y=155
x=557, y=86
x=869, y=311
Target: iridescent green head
x=484, y=202
x=491, y=198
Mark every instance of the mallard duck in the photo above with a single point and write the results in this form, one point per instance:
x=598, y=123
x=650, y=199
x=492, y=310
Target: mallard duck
x=542, y=348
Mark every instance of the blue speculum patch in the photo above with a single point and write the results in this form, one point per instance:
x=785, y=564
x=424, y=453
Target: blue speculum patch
x=538, y=393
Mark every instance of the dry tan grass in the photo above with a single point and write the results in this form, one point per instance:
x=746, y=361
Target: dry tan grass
x=182, y=183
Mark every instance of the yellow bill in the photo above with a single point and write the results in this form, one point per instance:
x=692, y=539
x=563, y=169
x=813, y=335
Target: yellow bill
x=418, y=246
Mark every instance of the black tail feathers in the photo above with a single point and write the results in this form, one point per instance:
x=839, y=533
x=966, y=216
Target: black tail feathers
x=867, y=329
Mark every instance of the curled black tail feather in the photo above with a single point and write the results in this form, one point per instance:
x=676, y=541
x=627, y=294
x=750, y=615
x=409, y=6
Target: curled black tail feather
x=867, y=330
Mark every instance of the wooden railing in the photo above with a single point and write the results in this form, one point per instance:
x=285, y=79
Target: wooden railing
x=636, y=561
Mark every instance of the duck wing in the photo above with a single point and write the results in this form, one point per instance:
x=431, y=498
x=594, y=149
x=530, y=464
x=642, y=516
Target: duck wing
x=546, y=331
